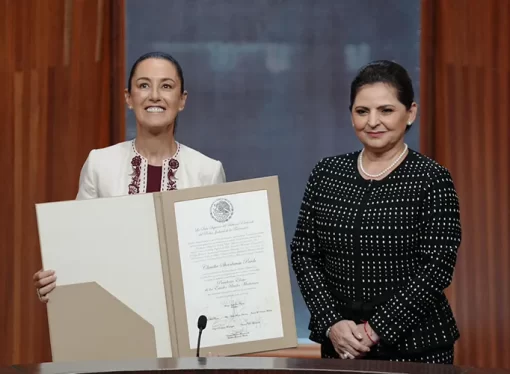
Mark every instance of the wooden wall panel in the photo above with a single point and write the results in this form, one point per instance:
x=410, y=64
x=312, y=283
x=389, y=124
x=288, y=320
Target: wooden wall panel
x=465, y=85
x=60, y=62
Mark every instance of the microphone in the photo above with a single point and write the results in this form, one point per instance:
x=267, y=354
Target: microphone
x=201, y=324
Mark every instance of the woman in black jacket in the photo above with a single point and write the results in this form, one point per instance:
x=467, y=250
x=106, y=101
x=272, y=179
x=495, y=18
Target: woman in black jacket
x=377, y=236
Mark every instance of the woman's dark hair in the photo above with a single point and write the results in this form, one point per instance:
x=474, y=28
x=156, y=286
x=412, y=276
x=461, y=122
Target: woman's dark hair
x=384, y=71
x=160, y=55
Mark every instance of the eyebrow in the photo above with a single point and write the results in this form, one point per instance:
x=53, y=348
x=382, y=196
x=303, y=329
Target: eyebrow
x=163, y=79
x=379, y=107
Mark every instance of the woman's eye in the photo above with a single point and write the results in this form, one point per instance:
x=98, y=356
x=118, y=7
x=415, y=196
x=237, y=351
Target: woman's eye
x=144, y=85
x=361, y=112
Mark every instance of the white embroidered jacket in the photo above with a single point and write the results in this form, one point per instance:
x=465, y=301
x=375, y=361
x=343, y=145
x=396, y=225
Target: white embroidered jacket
x=120, y=170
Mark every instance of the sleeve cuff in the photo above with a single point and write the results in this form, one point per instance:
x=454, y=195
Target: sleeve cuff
x=328, y=320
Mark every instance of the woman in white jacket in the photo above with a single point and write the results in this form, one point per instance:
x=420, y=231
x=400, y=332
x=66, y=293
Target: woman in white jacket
x=154, y=161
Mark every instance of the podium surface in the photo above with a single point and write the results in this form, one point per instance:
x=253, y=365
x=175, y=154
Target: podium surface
x=248, y=365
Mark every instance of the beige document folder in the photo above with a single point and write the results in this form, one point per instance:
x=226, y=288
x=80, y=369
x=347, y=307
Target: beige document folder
x=125, y=271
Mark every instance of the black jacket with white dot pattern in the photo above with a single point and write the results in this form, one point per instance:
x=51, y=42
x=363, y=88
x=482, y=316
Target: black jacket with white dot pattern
x=356, y=240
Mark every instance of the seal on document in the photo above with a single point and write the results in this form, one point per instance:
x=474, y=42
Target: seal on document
x=222, y=210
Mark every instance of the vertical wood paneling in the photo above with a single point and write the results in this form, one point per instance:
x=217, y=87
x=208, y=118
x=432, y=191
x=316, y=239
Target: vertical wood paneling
x=465, y=85
x=69, y=17
x=99, y=29
x=117, y=39
x=18, y=202
x=56, y=72
x=503, y=136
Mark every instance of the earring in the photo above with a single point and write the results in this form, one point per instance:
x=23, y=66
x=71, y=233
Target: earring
x=409, y=123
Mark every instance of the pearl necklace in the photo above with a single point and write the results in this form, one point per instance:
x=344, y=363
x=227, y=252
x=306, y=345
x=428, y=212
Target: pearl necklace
x=385, y=170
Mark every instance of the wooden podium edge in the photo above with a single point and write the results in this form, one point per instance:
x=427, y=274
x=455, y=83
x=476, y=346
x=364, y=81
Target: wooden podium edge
x=305, y=351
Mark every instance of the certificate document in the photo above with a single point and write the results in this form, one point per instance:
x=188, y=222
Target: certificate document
x=227, y=261
x=217, y=251
x=229, y=272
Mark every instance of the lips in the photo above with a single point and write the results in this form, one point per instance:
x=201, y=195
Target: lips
x=155, y=109
x=376, y=134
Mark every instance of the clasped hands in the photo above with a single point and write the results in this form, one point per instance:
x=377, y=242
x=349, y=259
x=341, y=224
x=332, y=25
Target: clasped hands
x=351, y=340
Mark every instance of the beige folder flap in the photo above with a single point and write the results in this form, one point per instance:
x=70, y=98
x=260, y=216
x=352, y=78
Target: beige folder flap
x=88, y=323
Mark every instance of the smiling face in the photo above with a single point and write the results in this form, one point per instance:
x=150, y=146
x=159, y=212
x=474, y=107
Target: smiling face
x=156, y=95
x=379, y=118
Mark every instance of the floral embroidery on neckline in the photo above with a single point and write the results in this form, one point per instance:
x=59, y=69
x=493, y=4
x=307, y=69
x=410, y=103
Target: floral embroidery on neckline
x=139, y=163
